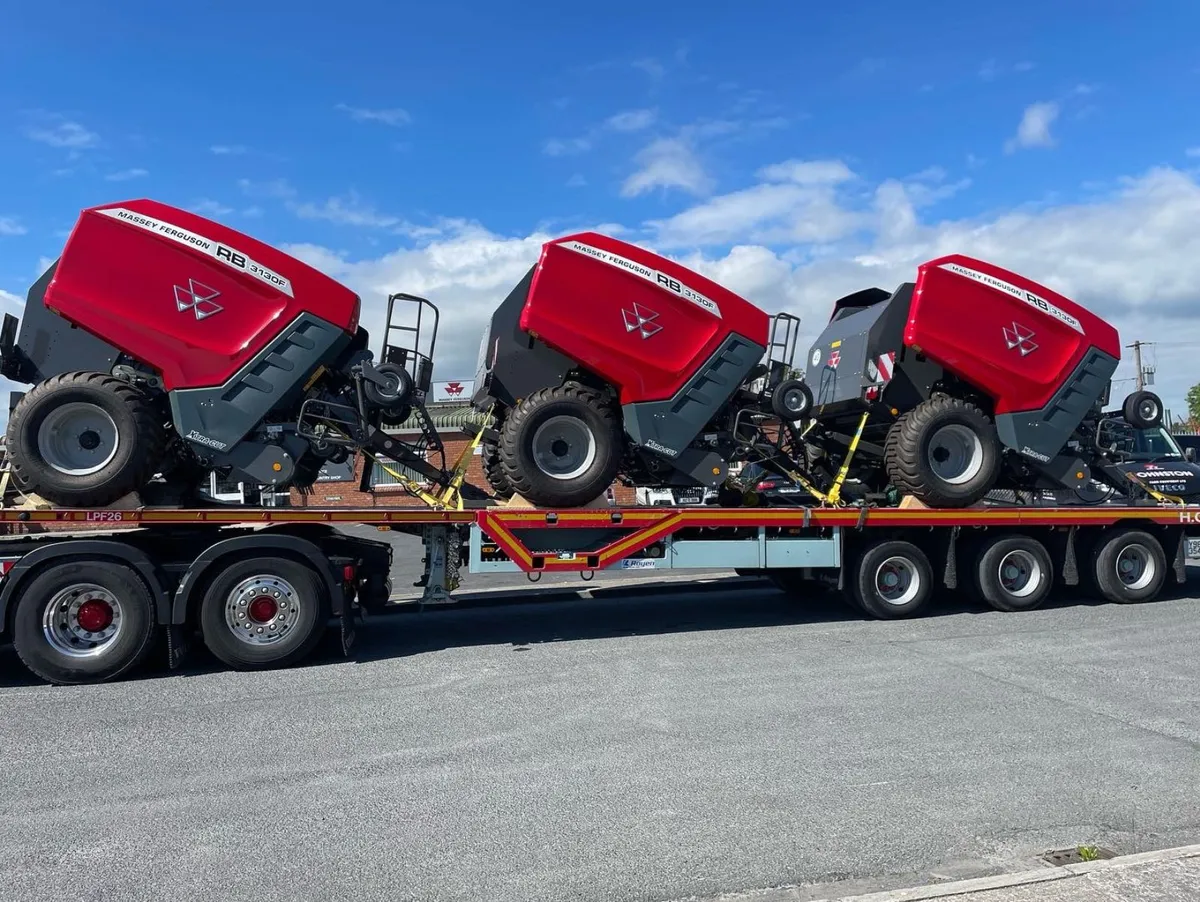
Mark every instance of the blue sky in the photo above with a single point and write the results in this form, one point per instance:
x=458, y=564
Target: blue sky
x=438, y=143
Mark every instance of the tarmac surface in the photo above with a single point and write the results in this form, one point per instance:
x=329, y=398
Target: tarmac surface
x=651, y=743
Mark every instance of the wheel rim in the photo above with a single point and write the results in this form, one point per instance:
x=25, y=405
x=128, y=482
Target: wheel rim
x=262, y=609
x=1020, y=573
x=795, y=401
x=78, y=439
x=82, y=620
x=897, y=581
x=955, y=454
x=564, y=447
x=1136, y=567
x=1148, y=410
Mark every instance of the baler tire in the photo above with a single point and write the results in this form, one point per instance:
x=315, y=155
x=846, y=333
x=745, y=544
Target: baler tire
x=907, y=453
x=138, y=430
x=571, y=401
x=493, y=471
x=1143, y=410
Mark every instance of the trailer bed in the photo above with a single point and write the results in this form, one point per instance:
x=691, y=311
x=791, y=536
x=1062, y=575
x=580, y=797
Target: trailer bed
x=86, y=593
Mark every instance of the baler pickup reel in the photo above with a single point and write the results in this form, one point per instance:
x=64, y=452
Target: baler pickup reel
x=391, y=393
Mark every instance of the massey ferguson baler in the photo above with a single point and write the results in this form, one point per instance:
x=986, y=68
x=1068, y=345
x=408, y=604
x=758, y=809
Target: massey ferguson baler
x=164, y=343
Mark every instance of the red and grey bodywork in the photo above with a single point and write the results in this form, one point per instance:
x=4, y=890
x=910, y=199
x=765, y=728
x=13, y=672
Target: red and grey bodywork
x=1036, y=362
x=672, y=346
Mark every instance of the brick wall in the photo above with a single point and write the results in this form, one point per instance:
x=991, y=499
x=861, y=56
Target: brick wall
x=346, y=494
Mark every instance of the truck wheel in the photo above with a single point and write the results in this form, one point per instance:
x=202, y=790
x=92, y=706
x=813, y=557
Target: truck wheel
x=83, y=622
x=85, y=439
x=893, y=579
x=264, y=612
x=944, y=452
x=1128, y=566
x=1014, y=573
x=1143, y=410
x=561, y=447
x=493, y=471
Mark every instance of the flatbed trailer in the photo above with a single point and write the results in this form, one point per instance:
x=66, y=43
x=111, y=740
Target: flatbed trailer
x=88, y=598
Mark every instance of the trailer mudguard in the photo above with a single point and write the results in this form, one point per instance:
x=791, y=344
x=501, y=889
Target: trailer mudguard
x=257, y=544
x=79, y=549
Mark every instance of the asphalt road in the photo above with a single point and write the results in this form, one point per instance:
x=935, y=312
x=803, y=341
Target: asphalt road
x=637, y=748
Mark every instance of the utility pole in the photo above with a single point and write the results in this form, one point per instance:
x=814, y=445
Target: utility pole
x=1140, y=372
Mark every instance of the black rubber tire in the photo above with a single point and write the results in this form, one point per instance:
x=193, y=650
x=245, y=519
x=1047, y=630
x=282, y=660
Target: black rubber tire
x=493, y=471
x=987, y=583
x=396, y=416
x=865, y=588
x=791, y=400
x=396, y=395
x=1104, y=578
x=313, y=597
x=907, y=453
x=516, y=439
x=129, y=647
x=1143, y=410
x=141, y=440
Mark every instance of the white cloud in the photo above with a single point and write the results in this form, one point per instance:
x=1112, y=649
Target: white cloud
x=667, y=163
x=394, y=117
x=10, y=303
x=1193, y=151
x=1133, y=256
x=807, y=172
x=58, y=131
x=991, y=70
x=125, y=175
x=1034, y=128
x=228, y=149
x=208, y=207
x=350, y=210
x=10, y=226
x=277, y=189
x=631, y=120
x=561, y=147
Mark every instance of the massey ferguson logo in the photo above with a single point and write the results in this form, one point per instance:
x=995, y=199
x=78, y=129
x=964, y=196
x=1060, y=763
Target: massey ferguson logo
x=454, y=388
x=1020, y=338
x=198, y=298
x=642, y=320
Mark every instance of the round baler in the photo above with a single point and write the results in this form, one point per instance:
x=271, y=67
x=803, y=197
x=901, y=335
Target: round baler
x=971, y=378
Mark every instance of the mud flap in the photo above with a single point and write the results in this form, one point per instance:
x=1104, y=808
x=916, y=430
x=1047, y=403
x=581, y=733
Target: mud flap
x=347, y=623
x=177, y=646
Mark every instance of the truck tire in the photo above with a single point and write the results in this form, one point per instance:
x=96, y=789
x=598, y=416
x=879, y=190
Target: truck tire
x=1143, y=410
x=944, y=452
x=493, y=471
x=83, y=622
x=561, y=447
x=1128, y=566
x=1013, y=573
x=264, y=612
x=85, y=440
x=892, y=579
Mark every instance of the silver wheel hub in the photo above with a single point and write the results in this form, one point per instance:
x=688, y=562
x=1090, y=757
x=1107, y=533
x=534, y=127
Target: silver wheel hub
x=897, y=581
x=1136, y=567
x=78, y=439
x=1020, y=573
x=955, y=454
x=262, y=609
x=82, y=620
x=564, y=447
x=1148, y=410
